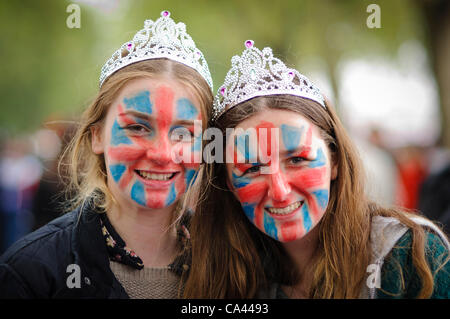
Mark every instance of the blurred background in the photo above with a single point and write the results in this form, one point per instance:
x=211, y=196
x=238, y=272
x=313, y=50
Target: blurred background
x=386, y=69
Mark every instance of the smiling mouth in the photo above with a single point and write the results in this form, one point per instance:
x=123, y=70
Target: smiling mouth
x=155, y=176
x=285, y=210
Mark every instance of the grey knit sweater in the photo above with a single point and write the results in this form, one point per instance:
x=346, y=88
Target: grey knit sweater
x=147, y=283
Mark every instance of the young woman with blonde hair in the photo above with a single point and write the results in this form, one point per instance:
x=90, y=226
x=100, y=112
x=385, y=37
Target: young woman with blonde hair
x=131, y=163
x=285, y=214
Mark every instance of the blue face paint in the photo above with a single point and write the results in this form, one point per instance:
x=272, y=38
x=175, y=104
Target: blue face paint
x=118, y=135
x=117, y=171
x=249, y=211
x=197, y=145
x=319, y=161
x=306, y=219
x=270, y=227
x=322, y=197
x=239, y=181
x=138, y=193
x=291, y=136
x=140, y=102
x=242, y=143
x=186, y=110
x=172, y=195
x=191, y=175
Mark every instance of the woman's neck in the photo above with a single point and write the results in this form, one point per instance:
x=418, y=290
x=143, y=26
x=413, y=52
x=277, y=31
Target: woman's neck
x=148, y=232
x=302, y=252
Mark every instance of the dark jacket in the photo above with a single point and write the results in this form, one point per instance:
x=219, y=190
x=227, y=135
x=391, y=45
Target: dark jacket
x=66, y=258
x=44, y=263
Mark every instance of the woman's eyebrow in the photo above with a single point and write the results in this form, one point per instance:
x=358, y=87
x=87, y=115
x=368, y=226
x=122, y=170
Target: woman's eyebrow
x=130, y=116
x=136, y=114
x=151, y=118
x=183, y=122
x=300, y=151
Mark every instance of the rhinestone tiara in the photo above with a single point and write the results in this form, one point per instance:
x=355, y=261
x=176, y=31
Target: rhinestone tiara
x=259, y=73
x=162, y=38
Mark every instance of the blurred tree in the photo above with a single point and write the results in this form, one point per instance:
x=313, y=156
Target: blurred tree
x=437, y=17
x=50, y=68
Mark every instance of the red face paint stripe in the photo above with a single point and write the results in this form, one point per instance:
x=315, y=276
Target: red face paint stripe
x=259, y=217
x=307, y=144
x=126, y=178
x=164, y=107
x=251, y=193
x=309, y=178
x=125, y=153
x=158, y=199
x=291, y=230
x=123, y=118
x=265, y=144
x=313, y=208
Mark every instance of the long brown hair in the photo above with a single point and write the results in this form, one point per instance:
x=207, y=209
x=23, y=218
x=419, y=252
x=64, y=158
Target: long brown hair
x=86, y=170
x=230, y=256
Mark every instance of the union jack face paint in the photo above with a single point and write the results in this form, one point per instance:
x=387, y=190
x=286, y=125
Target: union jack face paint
x=289, y=201
x=148, y=123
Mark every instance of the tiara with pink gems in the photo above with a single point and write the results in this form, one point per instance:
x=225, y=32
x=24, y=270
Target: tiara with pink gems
x=160, y=39
x=259, y=73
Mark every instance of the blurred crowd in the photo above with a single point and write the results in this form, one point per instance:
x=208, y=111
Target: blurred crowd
x=32, y=190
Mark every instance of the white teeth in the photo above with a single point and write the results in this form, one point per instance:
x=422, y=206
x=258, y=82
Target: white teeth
x=285, y=210
x=156, y=177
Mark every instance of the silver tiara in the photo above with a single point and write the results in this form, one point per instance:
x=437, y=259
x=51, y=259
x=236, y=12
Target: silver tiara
x=160, y=39
x=258, y=73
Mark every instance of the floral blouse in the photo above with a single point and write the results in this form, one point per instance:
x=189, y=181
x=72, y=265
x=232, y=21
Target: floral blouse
x=119, y=252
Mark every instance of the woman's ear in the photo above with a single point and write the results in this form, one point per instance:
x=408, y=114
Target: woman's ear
x=334, y=171
x=97, y=139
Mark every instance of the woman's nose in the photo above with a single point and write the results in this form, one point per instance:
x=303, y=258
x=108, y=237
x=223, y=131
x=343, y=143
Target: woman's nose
x=279, y=187
x=161, y=154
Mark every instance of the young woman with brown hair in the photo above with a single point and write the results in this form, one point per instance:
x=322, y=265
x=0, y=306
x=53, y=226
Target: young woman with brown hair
x=131, y=164
x=286, y=214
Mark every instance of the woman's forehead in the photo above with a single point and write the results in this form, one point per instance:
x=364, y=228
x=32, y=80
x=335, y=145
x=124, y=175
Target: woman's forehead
x=275, y=118
x=141, y=93
x=286, y=131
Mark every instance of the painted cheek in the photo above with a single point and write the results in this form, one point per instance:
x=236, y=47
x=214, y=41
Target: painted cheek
x=250, y=194
x=121, y=153
x=138, y=193
x=313, y=183
x=118, y=135
x=178, y=188
x=305, y=179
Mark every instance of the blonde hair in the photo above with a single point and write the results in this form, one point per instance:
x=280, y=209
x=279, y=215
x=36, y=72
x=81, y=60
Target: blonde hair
x=85, y=169
x=223, y=237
